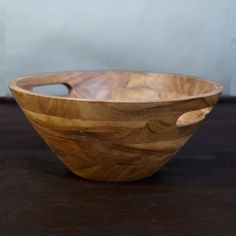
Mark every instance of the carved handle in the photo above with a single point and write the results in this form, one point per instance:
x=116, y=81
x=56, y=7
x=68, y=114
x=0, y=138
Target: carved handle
x=193, y=117
x=44, y=79
x=195, y=110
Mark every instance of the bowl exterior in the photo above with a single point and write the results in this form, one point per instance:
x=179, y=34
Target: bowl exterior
x=111, y=141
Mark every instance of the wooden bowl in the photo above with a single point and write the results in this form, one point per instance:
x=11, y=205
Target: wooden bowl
x=116, y=125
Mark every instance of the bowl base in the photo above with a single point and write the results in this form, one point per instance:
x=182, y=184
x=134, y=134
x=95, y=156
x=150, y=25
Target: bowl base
x=115, y=172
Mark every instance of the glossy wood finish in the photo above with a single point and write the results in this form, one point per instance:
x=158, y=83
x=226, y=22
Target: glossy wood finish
x=116, y=125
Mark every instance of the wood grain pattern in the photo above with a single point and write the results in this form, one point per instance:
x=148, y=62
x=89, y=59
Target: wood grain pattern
x=116, y=125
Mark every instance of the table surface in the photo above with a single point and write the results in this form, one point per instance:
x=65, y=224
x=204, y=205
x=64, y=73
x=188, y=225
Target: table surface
x=194, y=194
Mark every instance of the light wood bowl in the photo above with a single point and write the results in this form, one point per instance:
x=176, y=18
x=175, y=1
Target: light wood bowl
x=116, y=125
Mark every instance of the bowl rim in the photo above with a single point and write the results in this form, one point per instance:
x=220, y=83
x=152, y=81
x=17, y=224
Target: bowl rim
x=13, y=85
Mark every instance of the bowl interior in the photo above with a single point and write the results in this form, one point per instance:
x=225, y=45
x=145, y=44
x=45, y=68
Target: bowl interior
x=131, y=86
x=122, y=86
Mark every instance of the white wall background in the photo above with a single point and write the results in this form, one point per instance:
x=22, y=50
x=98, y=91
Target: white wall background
x=195, y=37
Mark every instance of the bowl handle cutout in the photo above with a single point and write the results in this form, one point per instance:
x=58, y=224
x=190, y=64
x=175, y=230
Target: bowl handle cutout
x=52, y=89
x=49, y=86
x=193, y=117
x=41, y=81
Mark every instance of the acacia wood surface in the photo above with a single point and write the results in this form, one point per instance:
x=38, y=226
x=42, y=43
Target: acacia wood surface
x=116, y=125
